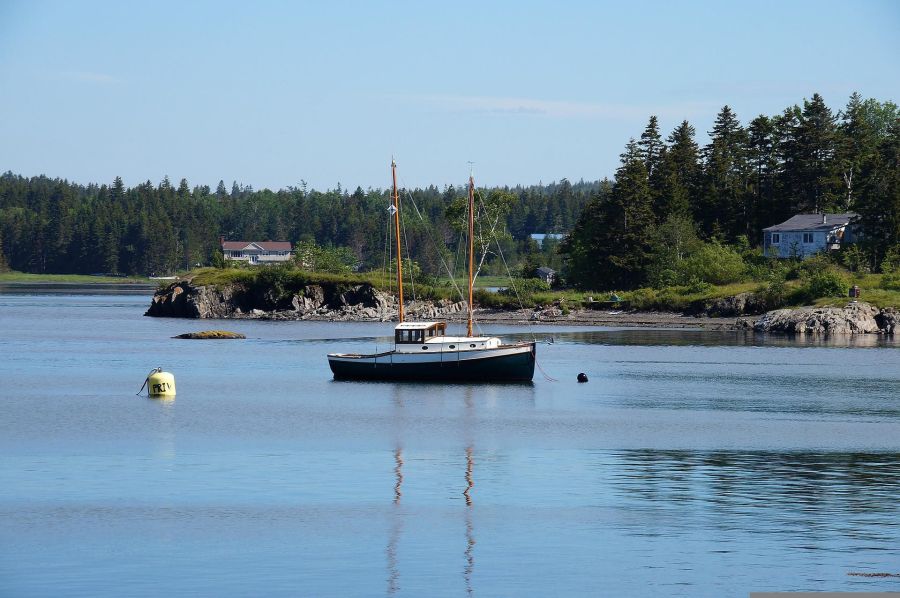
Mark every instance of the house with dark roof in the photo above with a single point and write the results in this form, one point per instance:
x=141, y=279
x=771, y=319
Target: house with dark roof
x=806, y=234
x=256, y=252
x=546, y=274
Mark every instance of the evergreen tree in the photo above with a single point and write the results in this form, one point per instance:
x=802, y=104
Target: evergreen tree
x=787, y=182
x=763, y=162
x=819, y=181
x=650, y=147
x=117, y=191
x=680, y=174
x=724, y=204
x=878, y=202
x=610, y=245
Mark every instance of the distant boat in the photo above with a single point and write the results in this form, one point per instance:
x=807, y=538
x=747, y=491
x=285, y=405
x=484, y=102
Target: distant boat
x=423, y=351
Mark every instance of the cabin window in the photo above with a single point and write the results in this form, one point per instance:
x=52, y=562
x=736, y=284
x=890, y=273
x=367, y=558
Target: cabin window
x=409, y=336
x=776, y=238
x=807, y=238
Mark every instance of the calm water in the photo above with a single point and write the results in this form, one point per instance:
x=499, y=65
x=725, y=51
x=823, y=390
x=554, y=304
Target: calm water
x=692, y=464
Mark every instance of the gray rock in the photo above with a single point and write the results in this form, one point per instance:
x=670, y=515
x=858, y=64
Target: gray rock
x=320, y=302
x=854, y=318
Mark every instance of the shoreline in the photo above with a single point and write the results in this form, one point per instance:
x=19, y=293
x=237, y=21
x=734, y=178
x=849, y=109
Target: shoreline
x=575, y=319
x=335, y=302
x=635, y=319
x=74, y=280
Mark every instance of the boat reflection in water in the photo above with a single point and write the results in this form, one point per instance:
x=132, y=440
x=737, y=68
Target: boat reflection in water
x=396, y=526
x=470, y=534
x=397, y=514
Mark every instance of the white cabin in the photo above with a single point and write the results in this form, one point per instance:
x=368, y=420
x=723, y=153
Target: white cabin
x=416, y=337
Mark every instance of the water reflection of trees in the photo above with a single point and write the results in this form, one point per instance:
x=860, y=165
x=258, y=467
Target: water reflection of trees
x=769, y=492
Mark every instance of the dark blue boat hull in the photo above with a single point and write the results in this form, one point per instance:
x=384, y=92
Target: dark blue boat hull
x=516, y=367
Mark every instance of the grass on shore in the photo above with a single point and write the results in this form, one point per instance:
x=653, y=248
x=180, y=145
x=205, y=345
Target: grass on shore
x=23, y=277
x=674, y=298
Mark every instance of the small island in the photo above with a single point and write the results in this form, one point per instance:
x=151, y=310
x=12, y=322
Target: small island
x=281, y=293
x=211, y=335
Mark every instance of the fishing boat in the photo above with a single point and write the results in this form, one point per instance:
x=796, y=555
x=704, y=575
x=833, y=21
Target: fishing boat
x=424, y=352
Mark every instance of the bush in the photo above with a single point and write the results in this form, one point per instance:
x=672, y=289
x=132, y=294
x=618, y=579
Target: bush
x=815, y=264
x=696, y=286
x=774, y=292
x=826, y=283
x=667, y=277
x=525, y=286
x=891, y=281
x=218, y=260
x=274, y=278
x=891, y=262
x=641, y=299
x=854, y=259
x=713, y=263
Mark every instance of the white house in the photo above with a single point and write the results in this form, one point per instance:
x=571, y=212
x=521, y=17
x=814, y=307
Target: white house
x=806, y=234
x=256, y=252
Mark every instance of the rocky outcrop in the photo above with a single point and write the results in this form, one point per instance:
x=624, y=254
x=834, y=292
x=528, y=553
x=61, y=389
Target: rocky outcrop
x=854, y=318
x=334, y=302
x=733, y=306
x=183, y=300
x=211, y=335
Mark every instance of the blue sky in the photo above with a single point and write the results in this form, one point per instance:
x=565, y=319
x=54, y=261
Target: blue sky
x=272, y=93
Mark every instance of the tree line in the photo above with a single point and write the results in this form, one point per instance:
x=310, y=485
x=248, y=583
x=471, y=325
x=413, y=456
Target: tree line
x=56, y=226
x=668, y=200
x=671, y=197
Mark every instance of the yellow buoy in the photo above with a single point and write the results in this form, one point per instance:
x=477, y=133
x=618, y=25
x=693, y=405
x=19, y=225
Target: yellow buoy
x=161, y=384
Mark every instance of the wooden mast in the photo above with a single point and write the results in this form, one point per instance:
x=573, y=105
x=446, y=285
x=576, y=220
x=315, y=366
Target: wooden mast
x=396, y=206
x=471, y=248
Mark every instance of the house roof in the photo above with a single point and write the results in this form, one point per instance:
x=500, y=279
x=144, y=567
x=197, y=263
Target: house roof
x=264, y=245
x=813, y=222
x=542, y=236
x=545, y=270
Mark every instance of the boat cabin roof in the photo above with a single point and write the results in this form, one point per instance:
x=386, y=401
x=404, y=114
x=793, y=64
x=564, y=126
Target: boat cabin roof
x=418, y=325
x=418, y=332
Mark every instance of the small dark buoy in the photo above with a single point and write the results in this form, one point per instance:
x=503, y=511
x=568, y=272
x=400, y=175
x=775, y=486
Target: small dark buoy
x=582, y=377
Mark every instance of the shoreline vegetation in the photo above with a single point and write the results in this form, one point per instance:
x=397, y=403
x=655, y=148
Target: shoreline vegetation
x=283, y=293
x=26, y=278
x=804, y=288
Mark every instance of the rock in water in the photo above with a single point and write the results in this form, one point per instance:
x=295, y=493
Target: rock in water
x=211, y=335
x=854, y=318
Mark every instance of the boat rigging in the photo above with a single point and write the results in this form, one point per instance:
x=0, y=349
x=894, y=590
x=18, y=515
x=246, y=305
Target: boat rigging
x=422, y=350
